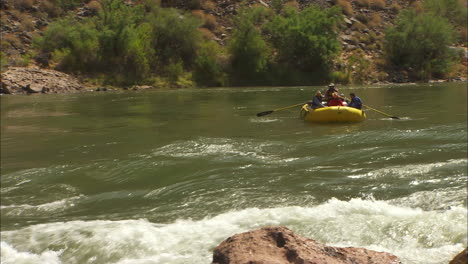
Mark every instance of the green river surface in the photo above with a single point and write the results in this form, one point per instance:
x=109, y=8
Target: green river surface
x=164, y=176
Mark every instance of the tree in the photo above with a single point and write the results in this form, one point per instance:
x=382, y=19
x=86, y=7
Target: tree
x=249, y=52
x=208, y=69
x=305, y=40
x=419, y=43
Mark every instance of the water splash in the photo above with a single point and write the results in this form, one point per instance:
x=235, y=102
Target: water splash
x=414, y=235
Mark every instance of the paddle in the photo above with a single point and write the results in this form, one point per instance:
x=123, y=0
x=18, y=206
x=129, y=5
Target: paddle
x=394, y=117
x=380, y=112
x=279, y=109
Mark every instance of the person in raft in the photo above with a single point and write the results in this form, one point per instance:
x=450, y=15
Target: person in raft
x=317, y=101
x=335, y=100
x=356, y=102
x=331, y=89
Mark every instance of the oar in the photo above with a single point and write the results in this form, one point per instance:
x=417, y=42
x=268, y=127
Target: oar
x=279, y=109
x=394, y=117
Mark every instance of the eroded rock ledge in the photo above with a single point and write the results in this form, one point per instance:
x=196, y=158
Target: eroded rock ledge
x=18, y=80
x=279, y=245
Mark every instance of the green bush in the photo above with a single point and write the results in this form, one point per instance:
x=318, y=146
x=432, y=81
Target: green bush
x=3, y=62
x=175, y=36
x=306, y=40
x=249, y=51
x=208, y=69
x=453, y=10
x=174, y=71
x=75, y=43
x=130, y=44
x=419, y=43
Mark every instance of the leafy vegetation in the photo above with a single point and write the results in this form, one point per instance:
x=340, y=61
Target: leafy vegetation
x=282, y=45
x=419, y=43
x=249, y=51
x=129, y=43
x=305, y=40
x=133, y=44
x=453, y=10
x=287, y=47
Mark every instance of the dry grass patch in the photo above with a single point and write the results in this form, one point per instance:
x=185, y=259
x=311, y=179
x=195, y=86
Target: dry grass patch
x=375, y=20
x=207, y=34
x=51, y=9
x=395, y=8
x=94, y=6
x=377, y=4
x=208, y=5
x=13, y=40
x=27, y=23
x=363, y=3
x=293, y=3
x=200, y=14
x=417, y=6
x=362, y=17
x=210, y=22
x=23, y=4
x=358, y=26
x=346, y=7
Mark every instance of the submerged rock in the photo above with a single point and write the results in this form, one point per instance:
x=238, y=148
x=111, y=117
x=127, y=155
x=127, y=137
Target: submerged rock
x=279, y=245
x=18, y=80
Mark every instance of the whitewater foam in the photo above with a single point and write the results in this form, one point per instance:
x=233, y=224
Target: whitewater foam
x=414, y=235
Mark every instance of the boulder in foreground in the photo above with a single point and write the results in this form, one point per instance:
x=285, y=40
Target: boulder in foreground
x=279, y=245
x=461, y=258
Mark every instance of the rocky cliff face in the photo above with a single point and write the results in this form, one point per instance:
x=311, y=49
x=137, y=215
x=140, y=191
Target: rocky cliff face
x=279, y=245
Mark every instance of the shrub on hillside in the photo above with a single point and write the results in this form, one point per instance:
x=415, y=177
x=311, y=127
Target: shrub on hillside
x=193, y=4
x=363, y=3
x=419, y=43
x=209, y=69
x=249, y=51
x=362, y=17
x=453, y=10
x=208, y=5
x=306, y=40
x=74, y=45
x=129, y=43
x=210, y=22
x=12, y=40
x=395, y=8
x=277, y=5
x=346, y=7
x=51, y=9
x=375, y=20
x=23, y=4
x=293, y=4
x=174, y=36
x=94, y=6
x=377, y=4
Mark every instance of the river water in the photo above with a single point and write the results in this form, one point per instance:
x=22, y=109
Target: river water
x=164, y=176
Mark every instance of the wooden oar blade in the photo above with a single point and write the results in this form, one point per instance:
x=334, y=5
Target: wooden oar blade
x=265, y=113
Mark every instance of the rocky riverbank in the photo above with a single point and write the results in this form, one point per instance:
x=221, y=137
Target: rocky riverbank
x=19, y=80
x=29, y=80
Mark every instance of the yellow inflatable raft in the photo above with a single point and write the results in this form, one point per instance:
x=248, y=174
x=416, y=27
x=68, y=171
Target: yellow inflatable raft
x=332, y=114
